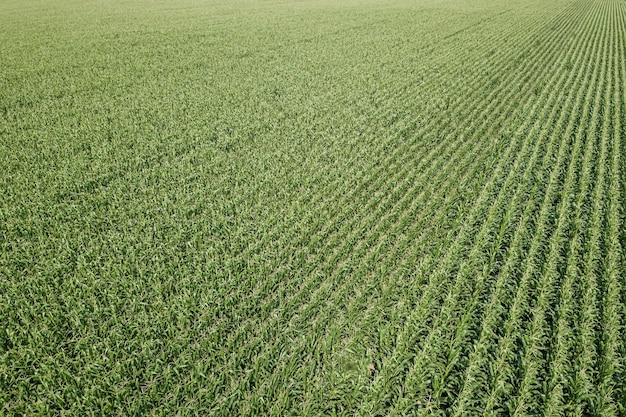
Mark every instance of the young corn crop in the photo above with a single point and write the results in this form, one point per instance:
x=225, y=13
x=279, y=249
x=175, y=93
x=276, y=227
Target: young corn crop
x=271, y=208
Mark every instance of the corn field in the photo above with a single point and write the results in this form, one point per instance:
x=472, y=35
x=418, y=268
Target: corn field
x=313, y=208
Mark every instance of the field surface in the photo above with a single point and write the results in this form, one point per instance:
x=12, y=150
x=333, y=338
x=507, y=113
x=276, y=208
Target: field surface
x=313, y=207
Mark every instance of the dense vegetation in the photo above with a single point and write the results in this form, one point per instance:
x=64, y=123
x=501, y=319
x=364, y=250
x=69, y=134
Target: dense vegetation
x=371, y=207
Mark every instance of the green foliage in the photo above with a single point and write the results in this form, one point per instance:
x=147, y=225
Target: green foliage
x=371, y=207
